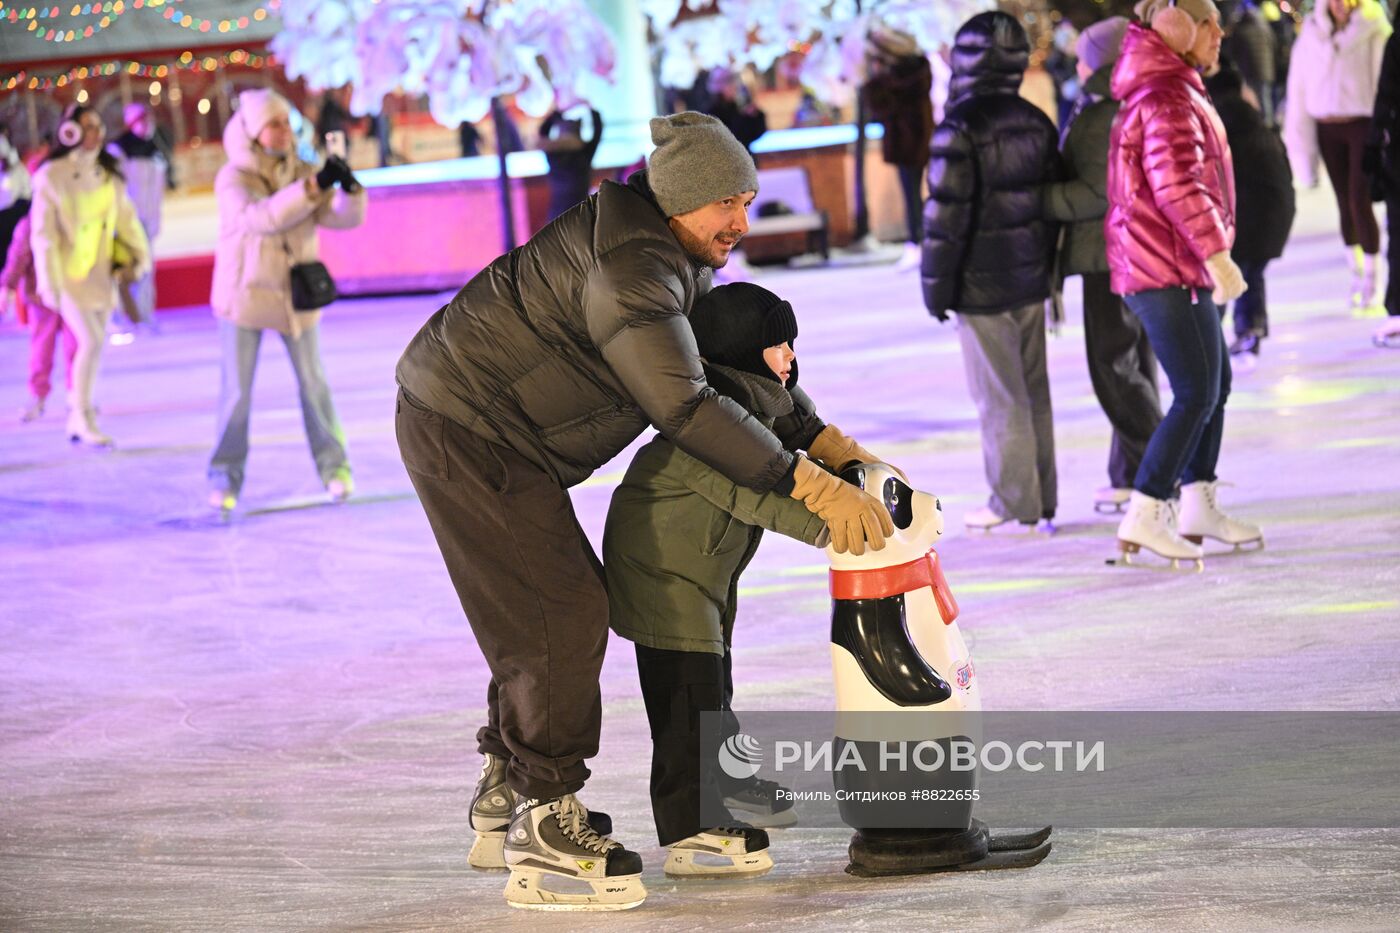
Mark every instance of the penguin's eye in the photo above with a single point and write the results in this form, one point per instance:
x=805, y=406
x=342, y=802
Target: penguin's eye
x=899, y=505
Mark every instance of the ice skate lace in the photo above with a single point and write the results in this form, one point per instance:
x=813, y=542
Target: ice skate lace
x=573, y=822
x=1211, y=489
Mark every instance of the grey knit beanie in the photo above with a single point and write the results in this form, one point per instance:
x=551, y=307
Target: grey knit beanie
x=696, y=161
x=1099, y=44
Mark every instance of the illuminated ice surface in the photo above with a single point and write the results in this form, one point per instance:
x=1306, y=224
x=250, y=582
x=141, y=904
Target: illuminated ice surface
x=268, y=725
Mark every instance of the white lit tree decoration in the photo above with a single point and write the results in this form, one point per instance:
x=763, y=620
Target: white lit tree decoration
x=460, y=53
x=463, y=54
x=831, y=33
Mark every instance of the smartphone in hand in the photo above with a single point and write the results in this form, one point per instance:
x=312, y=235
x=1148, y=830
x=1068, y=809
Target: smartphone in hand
x=335, y=144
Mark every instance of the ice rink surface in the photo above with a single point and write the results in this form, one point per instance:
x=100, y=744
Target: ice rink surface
x=268, y=724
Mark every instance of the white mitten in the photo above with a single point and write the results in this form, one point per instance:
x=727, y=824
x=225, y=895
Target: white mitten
x=1229, y=281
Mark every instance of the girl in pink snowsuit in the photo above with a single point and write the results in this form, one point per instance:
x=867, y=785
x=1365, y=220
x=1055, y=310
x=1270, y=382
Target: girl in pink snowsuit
x=45, y=324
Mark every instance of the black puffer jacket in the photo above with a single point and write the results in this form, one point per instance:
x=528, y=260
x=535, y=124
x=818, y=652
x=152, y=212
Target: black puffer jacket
x=1081, y=200
x=987, y=248
x=1382, y=160
x=1264, y=200
x=566, y=348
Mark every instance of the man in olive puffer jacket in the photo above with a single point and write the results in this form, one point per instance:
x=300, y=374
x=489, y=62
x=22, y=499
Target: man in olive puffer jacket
x=543, y=368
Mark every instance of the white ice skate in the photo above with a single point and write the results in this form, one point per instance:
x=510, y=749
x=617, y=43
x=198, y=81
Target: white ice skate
x=910, y=258
x=341, y=486
x=1201, y=518
x=984, y=519
x=492, y=804
x=557, y=861
x=1111, y=500
x=737, y=852
x=222, y=501
x=1387, y=336
x=82, y=429
x=1151, y=524
x=33, y=411
x=760, y=804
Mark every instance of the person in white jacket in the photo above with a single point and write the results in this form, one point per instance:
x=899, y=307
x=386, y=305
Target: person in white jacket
x=270, y=204
x=146, y=169
x=1332, y=79
x=86, y=240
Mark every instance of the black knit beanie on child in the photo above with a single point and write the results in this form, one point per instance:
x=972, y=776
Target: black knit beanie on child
x=734, y=324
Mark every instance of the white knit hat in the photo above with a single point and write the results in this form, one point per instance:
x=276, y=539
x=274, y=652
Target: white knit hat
x=259, y=107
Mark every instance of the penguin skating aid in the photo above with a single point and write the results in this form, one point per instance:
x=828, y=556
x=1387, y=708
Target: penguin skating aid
x=895, y=646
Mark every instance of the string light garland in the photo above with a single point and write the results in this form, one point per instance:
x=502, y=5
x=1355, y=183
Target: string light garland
x=200, y=24
x=45, y=22
x=50, y=23
x=187, y=61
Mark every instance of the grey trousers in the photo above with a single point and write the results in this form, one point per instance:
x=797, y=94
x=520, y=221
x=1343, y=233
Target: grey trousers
x=239, y=362
x=532, y=589
x=1004, y=358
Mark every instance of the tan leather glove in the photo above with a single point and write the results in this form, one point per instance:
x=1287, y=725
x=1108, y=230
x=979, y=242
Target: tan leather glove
x=853, y=517
x=835, y=449
x=1229, y=281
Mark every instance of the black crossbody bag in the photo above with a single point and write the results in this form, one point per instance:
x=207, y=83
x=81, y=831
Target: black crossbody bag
x=312, y=285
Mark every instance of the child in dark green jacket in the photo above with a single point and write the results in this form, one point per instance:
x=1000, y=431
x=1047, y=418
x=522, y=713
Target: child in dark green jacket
x=678, y=536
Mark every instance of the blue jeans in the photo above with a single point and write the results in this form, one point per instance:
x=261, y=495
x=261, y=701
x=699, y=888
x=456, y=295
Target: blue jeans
x=1186, y=336
x=240, y=361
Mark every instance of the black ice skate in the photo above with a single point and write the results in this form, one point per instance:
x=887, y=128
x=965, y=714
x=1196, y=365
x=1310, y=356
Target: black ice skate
x=725, y=852
x=491, y=808
x=876, y=853
x=764, y=804
x=557, y=861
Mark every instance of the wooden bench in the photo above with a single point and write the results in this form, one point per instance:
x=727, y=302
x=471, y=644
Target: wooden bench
x=792, y=189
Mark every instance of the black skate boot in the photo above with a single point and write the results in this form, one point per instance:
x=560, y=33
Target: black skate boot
x=490, y=815
x=553, y=854
x=765, y=804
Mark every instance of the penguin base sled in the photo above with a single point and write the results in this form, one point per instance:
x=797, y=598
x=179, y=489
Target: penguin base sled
x=880, y=853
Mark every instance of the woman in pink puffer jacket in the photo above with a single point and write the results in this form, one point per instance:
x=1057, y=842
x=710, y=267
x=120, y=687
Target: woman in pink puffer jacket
x=1169, y=228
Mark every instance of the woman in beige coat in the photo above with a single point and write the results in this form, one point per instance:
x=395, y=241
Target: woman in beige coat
x=86, y=240
x=270, y=204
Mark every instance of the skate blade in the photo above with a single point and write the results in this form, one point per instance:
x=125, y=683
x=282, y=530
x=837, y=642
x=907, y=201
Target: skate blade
x=993, y=861
x=1015, y=842
x=1127, y=550
x=684, y=864
x=488, y=851
x=1253, y=544
x=1110, y=508
x=762, y=819
x=527, y=890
